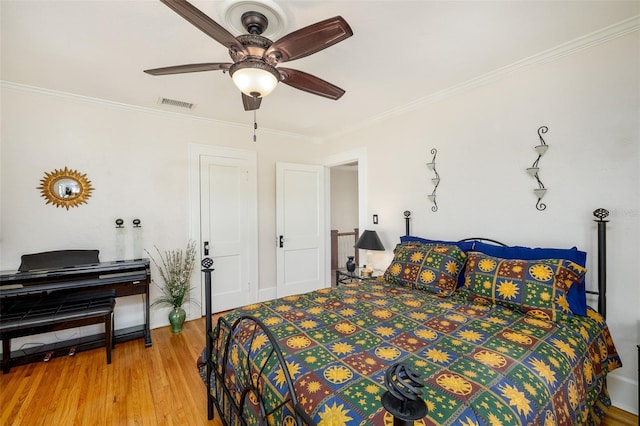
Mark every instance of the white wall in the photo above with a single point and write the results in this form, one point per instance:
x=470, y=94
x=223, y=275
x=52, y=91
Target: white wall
x=485, y=138
x=137, y=162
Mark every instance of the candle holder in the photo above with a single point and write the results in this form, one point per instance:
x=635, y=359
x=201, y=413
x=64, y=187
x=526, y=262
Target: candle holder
x=435, y=181
x=534, y=170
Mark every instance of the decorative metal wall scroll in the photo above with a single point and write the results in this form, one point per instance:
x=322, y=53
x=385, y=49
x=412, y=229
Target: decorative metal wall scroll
x=65, y=188
x=534, y=170
x=435, y=180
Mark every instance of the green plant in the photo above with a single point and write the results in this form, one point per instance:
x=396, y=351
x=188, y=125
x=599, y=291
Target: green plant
x=175, y=267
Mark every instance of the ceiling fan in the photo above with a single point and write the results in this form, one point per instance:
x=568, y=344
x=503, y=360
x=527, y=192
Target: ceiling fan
x=255, y=57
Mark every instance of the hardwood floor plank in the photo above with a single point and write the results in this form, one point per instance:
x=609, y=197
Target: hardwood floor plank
x=618, y=417
x=156, y=386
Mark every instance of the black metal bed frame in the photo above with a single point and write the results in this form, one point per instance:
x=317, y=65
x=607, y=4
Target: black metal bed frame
x=231, y=407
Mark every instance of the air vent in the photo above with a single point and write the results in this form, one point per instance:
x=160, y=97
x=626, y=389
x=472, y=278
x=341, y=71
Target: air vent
x=175, y=103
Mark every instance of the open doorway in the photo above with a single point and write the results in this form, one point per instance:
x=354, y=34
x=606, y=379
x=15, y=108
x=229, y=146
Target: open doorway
x=344, y=218
x=351, y=169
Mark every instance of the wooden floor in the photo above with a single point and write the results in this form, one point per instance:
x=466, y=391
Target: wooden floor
x=142, y=386
x=151, y=386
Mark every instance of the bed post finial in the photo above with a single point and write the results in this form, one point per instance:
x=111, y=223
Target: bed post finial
x=407, y=218
x=600, y=215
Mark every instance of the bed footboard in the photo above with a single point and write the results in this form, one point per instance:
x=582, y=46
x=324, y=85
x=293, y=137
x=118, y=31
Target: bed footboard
x=237, y=360
x=247, y=357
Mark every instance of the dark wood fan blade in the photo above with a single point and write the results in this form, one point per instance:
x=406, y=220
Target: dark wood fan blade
x=309, y=83
x=311, y=39
x=203, y=22
x=180, y=69
x=250, y=103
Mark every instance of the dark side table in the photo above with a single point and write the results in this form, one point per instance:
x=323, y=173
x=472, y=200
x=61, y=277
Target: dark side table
x=343, y=276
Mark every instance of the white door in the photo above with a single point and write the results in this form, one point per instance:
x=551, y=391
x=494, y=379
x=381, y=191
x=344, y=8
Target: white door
x=227, y=210
x=300, y=227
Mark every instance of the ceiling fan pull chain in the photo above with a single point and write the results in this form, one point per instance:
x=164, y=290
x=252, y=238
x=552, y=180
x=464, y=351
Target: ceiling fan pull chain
x=255, y=125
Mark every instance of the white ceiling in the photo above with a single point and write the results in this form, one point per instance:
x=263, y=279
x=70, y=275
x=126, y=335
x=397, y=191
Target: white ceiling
x=401, y=53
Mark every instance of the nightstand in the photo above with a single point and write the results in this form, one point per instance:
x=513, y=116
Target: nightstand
x=343, y=276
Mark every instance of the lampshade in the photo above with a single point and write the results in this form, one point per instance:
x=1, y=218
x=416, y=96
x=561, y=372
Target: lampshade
x=254, y=78
x=369, y=240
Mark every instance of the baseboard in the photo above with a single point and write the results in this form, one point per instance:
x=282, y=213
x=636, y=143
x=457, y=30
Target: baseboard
x=265, y=294
x=623, y=392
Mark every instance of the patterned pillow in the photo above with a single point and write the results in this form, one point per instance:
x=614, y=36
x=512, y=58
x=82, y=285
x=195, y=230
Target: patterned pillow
x=577, y=296
x=433, y=268
x=465, y=246
x=535, y=287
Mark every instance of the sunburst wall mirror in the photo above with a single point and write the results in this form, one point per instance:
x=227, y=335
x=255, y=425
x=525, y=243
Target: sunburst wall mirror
x=65, y=188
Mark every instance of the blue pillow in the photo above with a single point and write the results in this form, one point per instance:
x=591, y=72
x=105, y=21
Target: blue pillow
x=577, y=296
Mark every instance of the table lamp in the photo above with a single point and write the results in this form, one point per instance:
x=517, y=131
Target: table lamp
x=369, y=240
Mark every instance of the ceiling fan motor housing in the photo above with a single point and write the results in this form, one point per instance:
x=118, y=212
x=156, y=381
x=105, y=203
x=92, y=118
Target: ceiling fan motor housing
x=255, y=46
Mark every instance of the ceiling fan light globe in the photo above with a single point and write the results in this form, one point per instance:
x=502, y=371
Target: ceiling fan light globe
x=254, y=81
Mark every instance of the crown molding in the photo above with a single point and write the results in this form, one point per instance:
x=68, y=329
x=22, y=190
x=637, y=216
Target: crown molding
x=595, y=38
x=127, y=107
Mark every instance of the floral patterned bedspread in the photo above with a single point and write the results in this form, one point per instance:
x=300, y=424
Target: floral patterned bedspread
x=481, y=365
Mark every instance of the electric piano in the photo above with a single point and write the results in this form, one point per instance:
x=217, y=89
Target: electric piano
x=51, y=273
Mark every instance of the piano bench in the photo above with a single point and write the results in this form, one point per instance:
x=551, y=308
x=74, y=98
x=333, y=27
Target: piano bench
x=56, y=311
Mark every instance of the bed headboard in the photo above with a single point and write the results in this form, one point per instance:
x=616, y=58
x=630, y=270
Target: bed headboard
x=600, y=215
